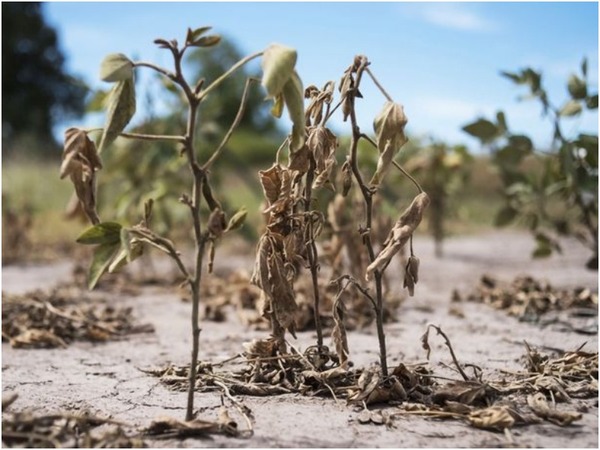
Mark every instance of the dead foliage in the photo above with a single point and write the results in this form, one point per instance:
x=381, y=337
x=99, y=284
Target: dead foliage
x=62, y=315
x=529, y=299
x=63, y=430
x=516, y=399
x=16, y=232
x=233, y=293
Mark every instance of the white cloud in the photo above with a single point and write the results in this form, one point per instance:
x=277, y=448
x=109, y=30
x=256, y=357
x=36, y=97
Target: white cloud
x=451, y=15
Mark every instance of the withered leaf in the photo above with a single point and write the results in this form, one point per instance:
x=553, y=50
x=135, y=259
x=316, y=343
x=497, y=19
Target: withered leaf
x=121, y=108
x=80, y=162
x=492, y=418
x=539, y=406
x=36, y=338
x=270, y=180
x=466, y=392
x=389, y=130
x=116, y=67
x=294, y=100
x=278, y=64
x=400, y=233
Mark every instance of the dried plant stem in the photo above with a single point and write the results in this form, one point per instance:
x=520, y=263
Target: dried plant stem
x=312, y=253
x=449, y=345
x=368, y=201
x=156, y=68
x=223, y=77
x=379, y=86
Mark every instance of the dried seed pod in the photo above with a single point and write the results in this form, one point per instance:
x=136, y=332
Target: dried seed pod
x=346, y=178
x=411, y=274
x=400, y=233
x=216, y=223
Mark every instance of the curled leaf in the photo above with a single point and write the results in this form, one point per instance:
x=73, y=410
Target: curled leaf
x=400, y=233
x=206, y=41
x=121, y=108
x=80, y=162
x=293, y=94
x=389, y=130
x=116, y=67
x=278, y=64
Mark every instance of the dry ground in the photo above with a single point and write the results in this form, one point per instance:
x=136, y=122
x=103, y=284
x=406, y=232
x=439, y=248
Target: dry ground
x=104, y=378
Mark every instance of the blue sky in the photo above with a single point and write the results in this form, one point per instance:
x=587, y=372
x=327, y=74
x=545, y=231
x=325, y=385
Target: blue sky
x=440, y=60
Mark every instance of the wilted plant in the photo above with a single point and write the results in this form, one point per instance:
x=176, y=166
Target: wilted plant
x=559, y=194
x=293, y=225
x=116, y=244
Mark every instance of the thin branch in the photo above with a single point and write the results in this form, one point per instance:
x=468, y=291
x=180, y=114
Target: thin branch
x=223, y=77
x=241, y=408
x=449, y=345
x=408, y=175
x=234, y=125
x=383, y=91
x=158, y=69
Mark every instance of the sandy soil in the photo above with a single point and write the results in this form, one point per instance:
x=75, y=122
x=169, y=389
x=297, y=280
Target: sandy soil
x=105, y=379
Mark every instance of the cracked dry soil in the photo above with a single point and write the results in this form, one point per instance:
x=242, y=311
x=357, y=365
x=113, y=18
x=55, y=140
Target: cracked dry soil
x=104, y=378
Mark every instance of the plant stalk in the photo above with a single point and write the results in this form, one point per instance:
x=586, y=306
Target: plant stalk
x=368, y=200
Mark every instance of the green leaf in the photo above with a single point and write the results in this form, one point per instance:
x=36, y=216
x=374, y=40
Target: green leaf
x=103, y=233
x=121, y=108
x=571, y=108
x=103, y=255
x=293, y=94
x=134, y=250
x=116, y=67
x=513, y=77
x=207, y=41
x=542, y=250
x=97, y=102
x=482, y=129
x=592, y=102
x=192, y=35
x=577, y=87
x=505, y=216
x=237, y=220
x=278, y=64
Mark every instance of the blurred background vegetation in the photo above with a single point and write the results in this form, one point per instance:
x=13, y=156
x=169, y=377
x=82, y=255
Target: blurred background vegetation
x=469, y=190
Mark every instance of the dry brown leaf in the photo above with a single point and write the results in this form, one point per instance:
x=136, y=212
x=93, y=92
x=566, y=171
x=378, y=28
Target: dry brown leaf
x=34, y=338
x=338, y=334
x=493, y=418
x=400, y=233
x=389, y=129
x=80, y=163
x=539, y=406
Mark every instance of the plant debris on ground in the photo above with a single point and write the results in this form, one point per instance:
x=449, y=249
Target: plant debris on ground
x=55, y=318
x=543, y=391
x=531, y=300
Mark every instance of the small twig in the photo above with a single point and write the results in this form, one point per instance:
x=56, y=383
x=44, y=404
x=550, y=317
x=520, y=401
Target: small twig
x=234, y=125
x=223, y=77
x=408, y=175
x=156, y=68
x=449, y=345
x=241, y=408
x=383, y=91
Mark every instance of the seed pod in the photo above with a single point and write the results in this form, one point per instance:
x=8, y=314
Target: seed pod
x=346, y=178
x=216, y=223
x=411, y=274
